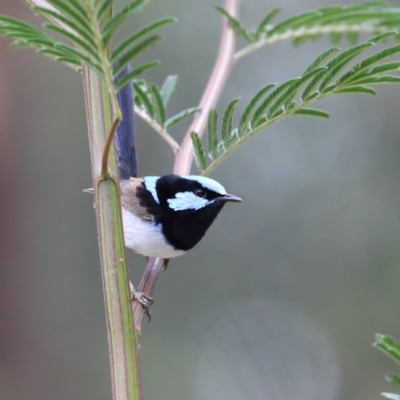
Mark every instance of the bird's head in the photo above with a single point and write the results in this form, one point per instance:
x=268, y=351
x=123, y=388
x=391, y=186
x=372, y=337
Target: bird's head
x=184, y=206
x=187, y=195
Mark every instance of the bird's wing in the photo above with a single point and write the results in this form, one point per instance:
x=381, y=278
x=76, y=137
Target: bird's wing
x=129, y=200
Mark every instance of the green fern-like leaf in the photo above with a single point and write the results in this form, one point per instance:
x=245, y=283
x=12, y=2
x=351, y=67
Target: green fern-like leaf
x=153, y=101
x=81, y=30
x=357, y=89
x=240, y=30
x=246, y=117
x=291, y=92
x=390, y=347
x=199, y=153
x=25, y=35
x=267, y=20
x=322, y=58
x=312, y=112
x=395, y=380
x=103, y=8
x=81, y=25
x=139, y=34
x=180, y=117
x=158, y=104
x=339, y=62
x=126, y=58
x=261, y=110
x=119, y=18
x=134, y=73
x=212, y=133
x=168, y=88
x=329, y=75
x=227, y=120
x=336, y=21
x=73, y=12
x=143, y=100
x=79, y=43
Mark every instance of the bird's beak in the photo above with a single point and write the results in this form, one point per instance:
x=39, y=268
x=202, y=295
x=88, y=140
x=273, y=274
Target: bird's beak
x=230, y=197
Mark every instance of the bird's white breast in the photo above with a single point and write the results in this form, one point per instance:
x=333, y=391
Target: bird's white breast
x=146, y=238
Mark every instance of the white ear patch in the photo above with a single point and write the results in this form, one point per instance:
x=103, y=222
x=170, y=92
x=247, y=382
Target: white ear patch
x=187, y=201
x=150, y=183
x=207, y=183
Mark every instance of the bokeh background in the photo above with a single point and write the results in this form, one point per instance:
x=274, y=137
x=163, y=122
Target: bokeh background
x=281, y=299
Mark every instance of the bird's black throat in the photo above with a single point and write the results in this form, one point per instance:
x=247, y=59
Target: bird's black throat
x=182, y=229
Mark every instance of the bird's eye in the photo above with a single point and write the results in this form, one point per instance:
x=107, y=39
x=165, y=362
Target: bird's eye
x=200, y=193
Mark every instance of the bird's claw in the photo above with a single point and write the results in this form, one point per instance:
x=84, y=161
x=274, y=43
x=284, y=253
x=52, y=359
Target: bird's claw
x=143, y=299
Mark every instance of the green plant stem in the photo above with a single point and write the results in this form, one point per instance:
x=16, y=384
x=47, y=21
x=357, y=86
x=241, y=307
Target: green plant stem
x=103, y=115
x=122, y=336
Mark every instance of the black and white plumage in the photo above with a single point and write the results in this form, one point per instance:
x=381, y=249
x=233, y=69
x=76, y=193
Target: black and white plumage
x=167, y=216
x=162, y=216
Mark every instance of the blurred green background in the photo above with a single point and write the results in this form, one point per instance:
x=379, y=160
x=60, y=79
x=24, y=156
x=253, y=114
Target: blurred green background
x=281, y=299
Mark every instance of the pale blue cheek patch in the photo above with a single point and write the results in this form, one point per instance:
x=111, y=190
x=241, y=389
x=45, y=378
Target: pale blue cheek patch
x=150, y=183
x=187, y=201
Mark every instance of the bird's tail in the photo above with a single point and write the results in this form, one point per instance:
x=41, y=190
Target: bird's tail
x=125, y=135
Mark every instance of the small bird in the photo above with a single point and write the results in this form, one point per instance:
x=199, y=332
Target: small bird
x=162, y=216
x=167, y=216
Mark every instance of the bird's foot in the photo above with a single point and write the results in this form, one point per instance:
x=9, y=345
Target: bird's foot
x=143, y=299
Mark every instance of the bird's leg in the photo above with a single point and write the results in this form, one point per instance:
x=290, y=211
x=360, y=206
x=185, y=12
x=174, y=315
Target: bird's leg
x=165, y=262
x=141, y=298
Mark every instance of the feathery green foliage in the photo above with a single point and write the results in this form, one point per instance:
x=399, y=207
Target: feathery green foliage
x=153, y=101
x=391, y=347
x=327, y=75
x=158, y=104
x=168, y=87
x=212, y=133
x=226, y=130
x=87, y=39
x=336, y=21
x=180, y=116
x=199, y=153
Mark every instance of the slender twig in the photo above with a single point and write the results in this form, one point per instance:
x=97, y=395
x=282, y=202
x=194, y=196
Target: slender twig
x=218, y=78
x=158, y=128
x=184, y=156
x=316, y=30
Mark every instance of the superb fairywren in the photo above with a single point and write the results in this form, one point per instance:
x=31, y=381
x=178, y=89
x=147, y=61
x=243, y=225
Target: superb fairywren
x=162, y=216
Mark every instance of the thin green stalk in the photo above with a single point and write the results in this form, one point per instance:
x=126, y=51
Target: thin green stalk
x=102, y=111
x=105, y=62
x=122, y=336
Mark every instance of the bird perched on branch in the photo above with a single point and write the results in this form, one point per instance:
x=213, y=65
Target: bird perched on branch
x=162, y=216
